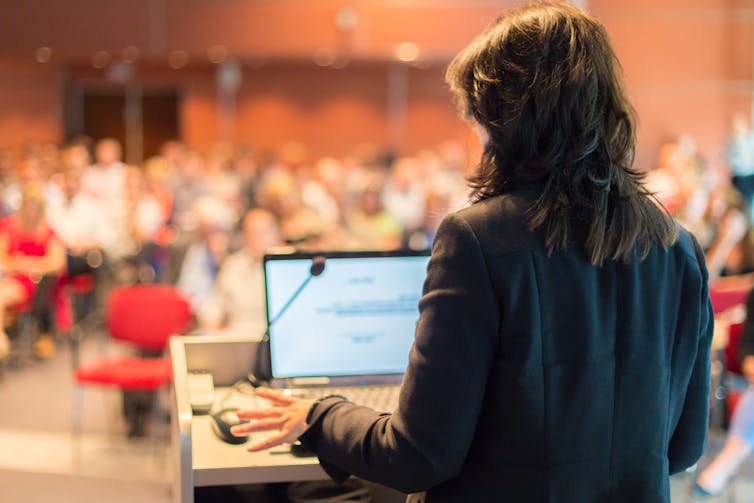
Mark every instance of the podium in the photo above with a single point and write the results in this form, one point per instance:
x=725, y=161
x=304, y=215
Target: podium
x=200, y=458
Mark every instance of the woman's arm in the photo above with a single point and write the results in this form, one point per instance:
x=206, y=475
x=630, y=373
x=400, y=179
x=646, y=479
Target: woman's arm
x=52, y=262
x=425, y=442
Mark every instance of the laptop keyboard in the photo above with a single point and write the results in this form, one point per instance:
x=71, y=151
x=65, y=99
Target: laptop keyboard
x=381, y=398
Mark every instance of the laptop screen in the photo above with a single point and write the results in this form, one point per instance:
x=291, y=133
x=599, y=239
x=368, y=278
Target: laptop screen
x=357, y=317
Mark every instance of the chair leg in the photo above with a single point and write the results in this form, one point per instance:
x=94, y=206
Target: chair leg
x=76, y=423
x=24, y=340
x=155, y=430
x=74, y=338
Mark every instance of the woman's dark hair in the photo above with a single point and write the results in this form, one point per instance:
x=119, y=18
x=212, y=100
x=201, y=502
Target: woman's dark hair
x=545, y=85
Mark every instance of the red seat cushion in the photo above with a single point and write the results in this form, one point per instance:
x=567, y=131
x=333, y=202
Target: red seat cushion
x=725, y=299
x=83, y=283
x=126, y=373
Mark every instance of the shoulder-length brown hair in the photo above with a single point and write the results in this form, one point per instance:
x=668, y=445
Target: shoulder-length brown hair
x=546, y=86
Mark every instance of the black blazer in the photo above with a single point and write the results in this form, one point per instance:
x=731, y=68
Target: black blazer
x=537, y=378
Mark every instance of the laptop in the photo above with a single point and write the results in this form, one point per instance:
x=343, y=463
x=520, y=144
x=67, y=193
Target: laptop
x=350, y=326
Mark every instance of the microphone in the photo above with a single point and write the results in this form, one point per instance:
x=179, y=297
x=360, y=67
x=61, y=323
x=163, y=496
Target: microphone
x=317, y=268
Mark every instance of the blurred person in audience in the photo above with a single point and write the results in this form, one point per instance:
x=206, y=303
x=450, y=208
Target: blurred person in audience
x=157, y=174
x=403, y=193
x=248, y=174
x=739, y=154
x=175, y=154
x=371, y=226
x=105, y=180
x=79, y=222
x=740, y=442
x=716, y=214
x=331, y=175
x=237, y=302
x=449, y=176
x=221, y=180
x=189, y=186
x=29, y=171
x=730, y=252
x=75, y=156
x=49, y=160
x=6, y=166
x=279, y=193
x=29, y=250
x=136, y=220
x=677, y=176
x=437, y=206
x=316, y=192
x=202, y=261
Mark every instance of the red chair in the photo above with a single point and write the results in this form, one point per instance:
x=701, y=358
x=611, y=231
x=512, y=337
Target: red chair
x=145, y=316
x=724, y=299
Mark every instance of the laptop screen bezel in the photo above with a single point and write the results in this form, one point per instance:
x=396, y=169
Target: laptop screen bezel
x=310, y=255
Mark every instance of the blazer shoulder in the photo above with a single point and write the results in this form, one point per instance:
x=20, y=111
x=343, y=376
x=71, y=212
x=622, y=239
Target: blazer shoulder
x=689, y=246
x=499, y=223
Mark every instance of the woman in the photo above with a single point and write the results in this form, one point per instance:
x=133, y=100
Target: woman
x=562, y=350
x=29, y=249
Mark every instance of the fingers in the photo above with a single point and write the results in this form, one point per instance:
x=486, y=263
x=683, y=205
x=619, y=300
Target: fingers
x=257, y=413
x=261, y=425
x=271, y=441
x=275, y=396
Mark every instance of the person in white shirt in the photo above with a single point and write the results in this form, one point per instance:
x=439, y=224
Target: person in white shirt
x=237, y=303
x=78, y=220
x=105, y=180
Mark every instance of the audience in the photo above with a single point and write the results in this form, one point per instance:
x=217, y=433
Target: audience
x=172, y=219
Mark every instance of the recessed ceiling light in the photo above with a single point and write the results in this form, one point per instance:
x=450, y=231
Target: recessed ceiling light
x=406, y=52
x=43, y=54
x=178, y=59
x=324, y=57
x=131, y=54
x=217, y=54
x=100, y=59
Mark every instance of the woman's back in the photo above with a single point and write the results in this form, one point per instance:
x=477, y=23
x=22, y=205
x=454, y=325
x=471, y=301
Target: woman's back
x=591, y=370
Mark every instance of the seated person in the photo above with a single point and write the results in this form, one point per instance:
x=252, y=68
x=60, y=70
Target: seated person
x=82, y=227
x=29, y=249
x=201, y=263
x=237, y=302
x=740, y=441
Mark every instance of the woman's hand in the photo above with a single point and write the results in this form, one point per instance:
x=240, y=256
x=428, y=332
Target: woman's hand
x=288, y=418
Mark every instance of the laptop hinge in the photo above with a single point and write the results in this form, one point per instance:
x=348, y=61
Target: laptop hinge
x=310, y=381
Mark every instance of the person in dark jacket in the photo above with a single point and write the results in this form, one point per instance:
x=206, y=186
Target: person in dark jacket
x=562, y=349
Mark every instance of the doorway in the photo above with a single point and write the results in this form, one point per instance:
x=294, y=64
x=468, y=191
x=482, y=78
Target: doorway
x=140, y=118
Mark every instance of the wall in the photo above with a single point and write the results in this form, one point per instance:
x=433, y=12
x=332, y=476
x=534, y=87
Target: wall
x=688, y=68
x=30, y=103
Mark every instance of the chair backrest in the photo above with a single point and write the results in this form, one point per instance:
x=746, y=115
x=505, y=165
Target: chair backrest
x=725, y=299
x=732, y=362
x=147, y=315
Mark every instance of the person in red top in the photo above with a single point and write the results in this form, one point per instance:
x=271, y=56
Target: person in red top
x=29, y=249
